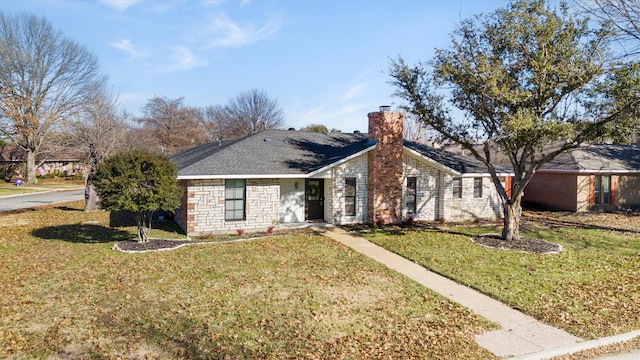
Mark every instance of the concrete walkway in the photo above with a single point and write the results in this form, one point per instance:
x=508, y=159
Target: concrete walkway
x=521, y=336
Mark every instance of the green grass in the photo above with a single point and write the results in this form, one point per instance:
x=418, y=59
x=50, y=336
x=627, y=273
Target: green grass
x=65, y=293
x=591, y=289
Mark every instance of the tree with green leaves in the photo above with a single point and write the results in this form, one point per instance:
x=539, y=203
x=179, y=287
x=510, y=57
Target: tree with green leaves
x=531, y=82
x=140, y=182
x=318, y=128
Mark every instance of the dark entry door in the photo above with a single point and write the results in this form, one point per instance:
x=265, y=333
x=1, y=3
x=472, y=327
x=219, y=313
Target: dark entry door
x=314, y=196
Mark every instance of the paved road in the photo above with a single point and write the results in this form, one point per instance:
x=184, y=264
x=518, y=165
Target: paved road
x=8, y=203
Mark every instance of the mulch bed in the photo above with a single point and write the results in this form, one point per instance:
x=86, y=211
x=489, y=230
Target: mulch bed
x=151, y=245
x=524, y=244
x=159, y=244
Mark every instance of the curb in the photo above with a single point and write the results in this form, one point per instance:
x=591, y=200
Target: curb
x=585, y=345
x=44, y=191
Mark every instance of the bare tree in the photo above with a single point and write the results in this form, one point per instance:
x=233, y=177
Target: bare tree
x=99, y=129
x=213, y=119
x=251, y=112
x=623, y=15
x=43, y=79
x=416, y=130
x=175, y=126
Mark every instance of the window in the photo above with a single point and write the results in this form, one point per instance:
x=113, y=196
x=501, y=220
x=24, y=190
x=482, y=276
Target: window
x=477, y=187
x=602, y=190
x=457, y=188
x=350, y=197
x=234, y=197
x=410, y=198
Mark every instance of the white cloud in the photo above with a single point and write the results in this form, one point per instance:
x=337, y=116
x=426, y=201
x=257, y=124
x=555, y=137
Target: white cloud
x=225, y=32
x=353, y=91
x=212, y=2
x=127, y=46
x=120, y=4
x=181, y=59
x=244, y=3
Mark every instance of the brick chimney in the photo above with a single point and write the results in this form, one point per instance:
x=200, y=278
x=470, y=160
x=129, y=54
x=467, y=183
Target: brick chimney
x=385, y=167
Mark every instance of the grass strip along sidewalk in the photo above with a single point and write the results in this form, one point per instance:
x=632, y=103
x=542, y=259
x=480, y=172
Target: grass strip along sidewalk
x=590, y=289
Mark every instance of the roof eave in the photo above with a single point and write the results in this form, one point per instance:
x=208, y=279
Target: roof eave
x=588, y=171
x=431, y=161
x=341, y=161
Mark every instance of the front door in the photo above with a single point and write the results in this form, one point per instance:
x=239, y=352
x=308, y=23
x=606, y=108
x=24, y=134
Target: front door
x=314, y=196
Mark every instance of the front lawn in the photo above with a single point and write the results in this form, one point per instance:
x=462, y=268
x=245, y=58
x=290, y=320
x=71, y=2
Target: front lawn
x=590, y=289
x=64, y=293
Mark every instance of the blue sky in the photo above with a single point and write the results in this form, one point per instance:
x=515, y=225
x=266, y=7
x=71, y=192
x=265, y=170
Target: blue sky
x=325, y=62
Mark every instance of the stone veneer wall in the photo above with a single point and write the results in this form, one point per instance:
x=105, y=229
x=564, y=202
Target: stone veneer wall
x=205, y=206
x=385, y=167
x=428, y=194
x=467, y=208
x=354, y=168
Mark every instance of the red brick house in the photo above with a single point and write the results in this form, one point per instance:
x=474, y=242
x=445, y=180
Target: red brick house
x=288, y=176
x=52, y=159
x=594, y=177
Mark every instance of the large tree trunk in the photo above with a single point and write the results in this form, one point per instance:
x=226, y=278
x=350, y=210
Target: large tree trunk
x=31, y=166
x=91, y=200
x=143, y=233
x=512, y=213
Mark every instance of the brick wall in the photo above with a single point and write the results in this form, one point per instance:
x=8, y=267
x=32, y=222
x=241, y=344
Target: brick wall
x=385, y=167
x=628, y=194
x=557, y=191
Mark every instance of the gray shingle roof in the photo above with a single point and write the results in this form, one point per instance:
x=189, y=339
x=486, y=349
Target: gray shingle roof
x=295, y=153
x=598, y=158
x=271, y=152
x=458, y=162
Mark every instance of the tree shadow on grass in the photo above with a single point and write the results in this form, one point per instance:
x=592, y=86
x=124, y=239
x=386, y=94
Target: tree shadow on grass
x=82, y=233
x=68, y=208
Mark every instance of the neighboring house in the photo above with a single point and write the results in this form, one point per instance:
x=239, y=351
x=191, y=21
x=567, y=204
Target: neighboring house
x=51, y=160
x=288, y=176
x=594, y=177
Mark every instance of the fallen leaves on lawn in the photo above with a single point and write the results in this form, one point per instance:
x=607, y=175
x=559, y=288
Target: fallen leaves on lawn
x=66, y=294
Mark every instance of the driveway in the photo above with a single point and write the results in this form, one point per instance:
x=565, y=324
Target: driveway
x=16, y=202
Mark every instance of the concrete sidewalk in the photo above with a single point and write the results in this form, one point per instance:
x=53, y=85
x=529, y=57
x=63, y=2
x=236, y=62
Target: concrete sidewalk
x=521, y=336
